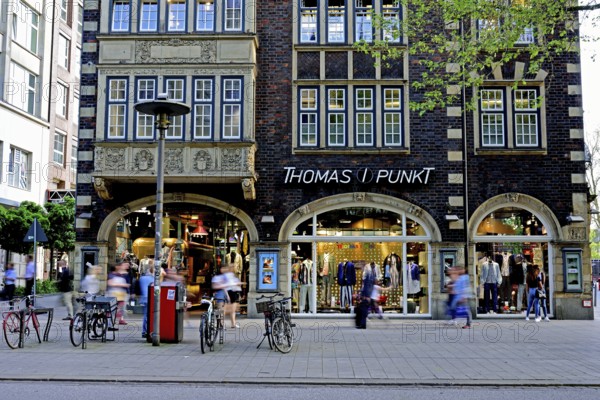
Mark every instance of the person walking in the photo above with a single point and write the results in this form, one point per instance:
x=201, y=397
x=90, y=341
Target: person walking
x=65, y=285
x=90, y=284
x=533, y=283
x=10, y=280
x=29, y=277
x=144, y=282
x=234, y=288
x=461, y=289
x=118, y=287
x=542, y=300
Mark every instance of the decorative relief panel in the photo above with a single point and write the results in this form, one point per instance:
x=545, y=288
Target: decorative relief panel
x=114, y=159
x=175, y=51
x=231, y=159
x=203, y=161
x=173, y=161
x=577, y=234
x=144, y=160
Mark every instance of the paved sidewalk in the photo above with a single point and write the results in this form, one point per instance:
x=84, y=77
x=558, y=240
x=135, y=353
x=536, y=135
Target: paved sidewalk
x=332, y=351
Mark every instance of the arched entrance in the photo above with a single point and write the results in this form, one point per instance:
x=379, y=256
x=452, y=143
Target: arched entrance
x=199, y=233
x=513, y=232
x=332, y=241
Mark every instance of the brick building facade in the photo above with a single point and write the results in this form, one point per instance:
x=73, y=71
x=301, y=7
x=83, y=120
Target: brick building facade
x=309, y=159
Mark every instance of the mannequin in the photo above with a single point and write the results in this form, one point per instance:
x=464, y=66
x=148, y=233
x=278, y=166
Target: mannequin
x=296, y=281
x=346, y=280
x=505, y=288
x=391, y=263
x=305, y=279
x=413, y=277
x=491, y=278
x=234, y=258
x=326, y=265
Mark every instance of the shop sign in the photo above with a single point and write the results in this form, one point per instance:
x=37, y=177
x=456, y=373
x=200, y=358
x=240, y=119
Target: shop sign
x=362, y=175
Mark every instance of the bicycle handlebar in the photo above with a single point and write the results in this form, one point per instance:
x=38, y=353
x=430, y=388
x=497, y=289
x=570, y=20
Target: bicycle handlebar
x=264, y=296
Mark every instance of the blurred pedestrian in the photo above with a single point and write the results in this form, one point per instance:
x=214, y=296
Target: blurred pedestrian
x=118, y=287
x=65, y=285
x=533, y=283
x=219, y=286
x=10, y=280
x=144, y=282
x=542, y=300
x=29, y=277
x=234, y=288
x=91, y=284
x=461, y=293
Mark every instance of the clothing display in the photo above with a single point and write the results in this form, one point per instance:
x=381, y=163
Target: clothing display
x=236, y=259
x=391, y=264
x=305, y=280
x=346, y=280
x=413, y=277
x=491, y=278
x=326, y=266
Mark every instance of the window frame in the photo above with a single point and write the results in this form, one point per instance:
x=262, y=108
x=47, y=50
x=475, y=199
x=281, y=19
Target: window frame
x=502, y=112
x=74, y=149
x=363, y=12
x=64, y=51
x=29, y=105
x=25, y=30
x=169, y=134
x=148, y=20
x=343, y=112
x=305, y=28
x=197, y=15
x=117, y=102
x=396, y=9
x=204, y=103
x=535, y=111
x=60, y=153
x=148, y=120
x=312, y=112
x=170, y=5
x=62, y=100
x=336, y=11
x=232, y=103
x=226, y=17
x=366, y=111
x=123, y=24
x=392, y=111
x=23, y=172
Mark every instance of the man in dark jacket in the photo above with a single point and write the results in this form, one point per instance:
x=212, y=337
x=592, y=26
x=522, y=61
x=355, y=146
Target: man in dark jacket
x=65, y=285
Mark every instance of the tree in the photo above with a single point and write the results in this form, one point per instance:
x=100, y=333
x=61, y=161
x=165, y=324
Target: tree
x=593, y=174
x=478, y=37
x=61, y=229
x=16, y=224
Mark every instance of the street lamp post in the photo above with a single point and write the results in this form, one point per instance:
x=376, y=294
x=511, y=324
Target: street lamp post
x=162, y=109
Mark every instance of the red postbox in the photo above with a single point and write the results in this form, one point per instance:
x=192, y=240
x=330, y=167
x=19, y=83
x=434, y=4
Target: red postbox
x=172, y=306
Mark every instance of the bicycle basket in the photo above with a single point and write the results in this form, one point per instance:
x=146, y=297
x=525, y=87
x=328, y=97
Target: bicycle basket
x=262, y=307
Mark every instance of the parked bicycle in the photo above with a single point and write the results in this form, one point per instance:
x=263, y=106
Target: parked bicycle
x=92, y=322
x=278, y=322
x=211, y=326
x=11, y=320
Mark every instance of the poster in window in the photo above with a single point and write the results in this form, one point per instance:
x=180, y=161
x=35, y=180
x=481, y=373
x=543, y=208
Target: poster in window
x=448, y=260
x=267, y=263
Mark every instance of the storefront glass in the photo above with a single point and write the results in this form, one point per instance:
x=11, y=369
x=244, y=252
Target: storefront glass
x=343, y=246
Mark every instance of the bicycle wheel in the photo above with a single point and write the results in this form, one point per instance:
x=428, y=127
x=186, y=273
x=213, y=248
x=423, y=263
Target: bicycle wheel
x=203, y=333
x=11, y=326
x=283, y=338
x=212, y=331
x=77, y=329
x=100, y=326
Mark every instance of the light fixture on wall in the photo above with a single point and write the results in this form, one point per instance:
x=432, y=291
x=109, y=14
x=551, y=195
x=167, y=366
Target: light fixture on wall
x=574, y=219
x=451, y=217
x=267, y=219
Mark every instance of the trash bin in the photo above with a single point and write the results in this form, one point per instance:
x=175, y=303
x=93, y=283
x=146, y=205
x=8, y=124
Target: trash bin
x=172, y=306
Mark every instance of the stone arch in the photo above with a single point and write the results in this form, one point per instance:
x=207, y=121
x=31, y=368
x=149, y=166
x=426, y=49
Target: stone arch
x=359, y=199
x=112, y=218
x=529, y=203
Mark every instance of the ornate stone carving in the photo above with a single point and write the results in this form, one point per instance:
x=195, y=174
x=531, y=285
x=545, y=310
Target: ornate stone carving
x=124, y=211
x=249, y=165
x=99, y=158
x=102, y=188
x=144, y=160
x=231, y=159
x=206, y=49
x=248, y=188
x=203, y=161
x=233, y=210
x=305, y=209
x=416, y=211
x=114, y=159
x=577, y=234
x=512, y=197
x=174, y=161
x=178, y=197
x=360, y=196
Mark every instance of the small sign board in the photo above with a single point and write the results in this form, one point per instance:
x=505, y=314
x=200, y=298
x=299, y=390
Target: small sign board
x=35, y=233
x=587, y=303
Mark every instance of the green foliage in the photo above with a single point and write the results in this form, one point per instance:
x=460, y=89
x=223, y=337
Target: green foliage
x=16, y=222
x=61, y=229
x=443, y=37
x=45, y=287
